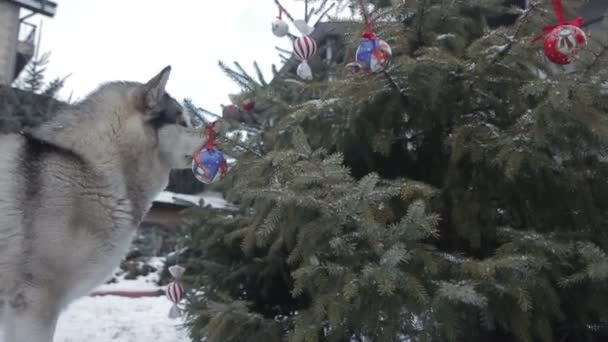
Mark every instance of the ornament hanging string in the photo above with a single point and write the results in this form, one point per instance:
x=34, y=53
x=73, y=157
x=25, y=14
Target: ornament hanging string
x=233, y=141
x=211, y=145
x=280, y=17
x=369, y=31
x=284, y=11
x=559, y=12
x=210, y=136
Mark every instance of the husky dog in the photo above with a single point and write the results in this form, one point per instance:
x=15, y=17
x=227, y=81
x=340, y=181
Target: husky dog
x=75, y=189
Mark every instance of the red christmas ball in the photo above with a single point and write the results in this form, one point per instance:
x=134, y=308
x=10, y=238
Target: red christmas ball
x=563, y=43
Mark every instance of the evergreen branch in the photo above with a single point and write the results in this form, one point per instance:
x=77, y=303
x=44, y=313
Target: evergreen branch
x=209, y=113
x=246, y=75
x=596, y=59
x=511, y=40
x=243, y=146
x=55, y=86
x=235, y=76
x=420, y=25
x=196, y=110
x=260, y=74
x=364, y=11
x=394, y=84
x=275, y=71
x=283, y=50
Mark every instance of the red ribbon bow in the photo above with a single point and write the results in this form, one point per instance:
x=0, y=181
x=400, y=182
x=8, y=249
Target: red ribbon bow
x=559, y=11
x=369, y=32
x=210, y=137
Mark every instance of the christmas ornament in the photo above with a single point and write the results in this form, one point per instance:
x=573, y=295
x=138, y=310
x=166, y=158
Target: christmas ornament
x=373, y=54
x=209, y=164
x=304, y=71
x=175, y=290
x=279, y=27
x=248, y=105
x=304, y=48
x=303, y=27
x=563, y=41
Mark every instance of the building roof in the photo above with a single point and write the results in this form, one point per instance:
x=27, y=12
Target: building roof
x=44, y=7
x=208, y=198
x=594, y=12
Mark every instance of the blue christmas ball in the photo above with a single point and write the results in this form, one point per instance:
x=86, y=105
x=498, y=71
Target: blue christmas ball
x=373, y=54
x=209, y=165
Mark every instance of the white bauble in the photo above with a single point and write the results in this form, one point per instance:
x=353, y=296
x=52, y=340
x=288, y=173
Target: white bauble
x=280, y=28
x=304, y=71
x=303, y=27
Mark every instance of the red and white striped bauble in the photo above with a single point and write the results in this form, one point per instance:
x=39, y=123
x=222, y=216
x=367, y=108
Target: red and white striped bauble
x=304, y=48
x=175, y=292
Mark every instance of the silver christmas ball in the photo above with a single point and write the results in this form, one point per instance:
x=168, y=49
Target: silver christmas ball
x=280, y=28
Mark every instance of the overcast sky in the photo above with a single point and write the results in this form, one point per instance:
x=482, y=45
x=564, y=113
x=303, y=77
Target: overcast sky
x=102, y=40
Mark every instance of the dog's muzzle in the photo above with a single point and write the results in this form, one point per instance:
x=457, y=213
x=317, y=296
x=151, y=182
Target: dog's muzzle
x=172, y=113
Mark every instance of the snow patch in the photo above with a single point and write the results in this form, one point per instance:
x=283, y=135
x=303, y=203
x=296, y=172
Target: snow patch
x=103, y=319
x=445, y=36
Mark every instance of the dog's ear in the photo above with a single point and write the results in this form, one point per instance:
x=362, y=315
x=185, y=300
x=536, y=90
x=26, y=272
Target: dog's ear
x=154, y=90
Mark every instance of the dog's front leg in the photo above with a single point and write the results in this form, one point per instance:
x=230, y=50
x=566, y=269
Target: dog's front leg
x=31, y=315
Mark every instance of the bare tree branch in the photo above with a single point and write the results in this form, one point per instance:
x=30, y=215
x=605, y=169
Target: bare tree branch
x=321, y=8
x=283, y=50
x=520, y=23
x=324, y=13
x=284, y=11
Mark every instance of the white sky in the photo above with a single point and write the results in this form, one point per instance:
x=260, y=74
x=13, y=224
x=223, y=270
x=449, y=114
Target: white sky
x=103, y=40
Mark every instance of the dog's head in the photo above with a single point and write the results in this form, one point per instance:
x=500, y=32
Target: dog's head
x=163, y=119
x=139, y=121
x=156, y=106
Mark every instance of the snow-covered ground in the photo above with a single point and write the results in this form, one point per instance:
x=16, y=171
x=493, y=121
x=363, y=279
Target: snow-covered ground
x=213, y=199
x=120, y=319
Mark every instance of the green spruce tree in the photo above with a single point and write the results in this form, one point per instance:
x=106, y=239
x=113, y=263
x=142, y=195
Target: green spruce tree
x=32, y=100
x=460, y=195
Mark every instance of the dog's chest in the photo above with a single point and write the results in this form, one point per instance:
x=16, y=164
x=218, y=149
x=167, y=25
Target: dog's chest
x=93, y=261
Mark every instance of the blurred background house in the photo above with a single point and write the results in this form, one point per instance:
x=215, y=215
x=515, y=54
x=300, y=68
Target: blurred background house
x=18, y=34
